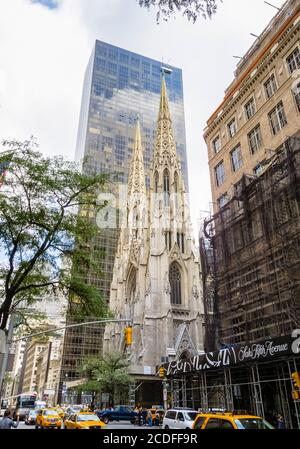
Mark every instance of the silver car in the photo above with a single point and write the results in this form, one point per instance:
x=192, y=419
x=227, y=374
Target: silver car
x=179, y=419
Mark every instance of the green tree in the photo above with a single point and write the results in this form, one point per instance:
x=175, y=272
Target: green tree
x=46, y=206
x=107, y=374
x=192, y=9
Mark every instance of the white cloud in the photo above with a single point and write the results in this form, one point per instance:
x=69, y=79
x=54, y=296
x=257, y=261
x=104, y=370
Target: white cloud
x=44, y=54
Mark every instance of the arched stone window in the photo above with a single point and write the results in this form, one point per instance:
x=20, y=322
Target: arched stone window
x=156, y=181
x=131, y=286
x=176, y=182
x=166, y=187
x=175, y=283
x=175, y=187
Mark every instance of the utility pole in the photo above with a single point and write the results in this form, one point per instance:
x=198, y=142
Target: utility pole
x=165, y=394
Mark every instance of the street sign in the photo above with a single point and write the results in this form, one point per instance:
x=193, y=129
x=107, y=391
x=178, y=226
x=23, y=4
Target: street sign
x=105, y=397
x=49, y=392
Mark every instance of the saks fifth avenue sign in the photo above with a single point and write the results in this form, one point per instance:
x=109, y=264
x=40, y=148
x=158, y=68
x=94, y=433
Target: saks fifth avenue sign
x=233, y=355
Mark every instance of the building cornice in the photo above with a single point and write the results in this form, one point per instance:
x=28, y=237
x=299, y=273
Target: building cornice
x=284, y=39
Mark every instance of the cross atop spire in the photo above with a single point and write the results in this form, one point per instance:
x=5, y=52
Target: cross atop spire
x=136, y=178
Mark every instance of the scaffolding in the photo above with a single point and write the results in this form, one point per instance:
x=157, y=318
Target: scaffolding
x=250, y=252
x=261, y=388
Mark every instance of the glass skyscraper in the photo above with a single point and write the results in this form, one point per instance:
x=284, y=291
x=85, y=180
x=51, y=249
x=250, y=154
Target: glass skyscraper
x=119, y=86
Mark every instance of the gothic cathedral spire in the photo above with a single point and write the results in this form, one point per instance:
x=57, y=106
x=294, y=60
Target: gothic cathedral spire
x=136, y=178
x=165, y=147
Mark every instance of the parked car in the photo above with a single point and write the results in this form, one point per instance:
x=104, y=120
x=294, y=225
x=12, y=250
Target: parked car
x=230, y=420
x=179, y=419
x=30, y=418
x=119, y=413
x=48, y=417
x=83, y=420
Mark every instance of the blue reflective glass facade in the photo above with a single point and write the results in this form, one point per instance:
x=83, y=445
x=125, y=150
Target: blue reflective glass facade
x=119, y=86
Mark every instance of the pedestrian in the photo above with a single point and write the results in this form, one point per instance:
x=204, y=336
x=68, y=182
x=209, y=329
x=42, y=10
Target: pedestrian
x=149, y=418
x=140, y=415
x=144, y=415
x=7, y=422
x=280, y=422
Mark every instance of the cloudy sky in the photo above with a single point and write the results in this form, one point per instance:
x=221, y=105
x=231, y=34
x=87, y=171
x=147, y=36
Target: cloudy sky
x=45, y=46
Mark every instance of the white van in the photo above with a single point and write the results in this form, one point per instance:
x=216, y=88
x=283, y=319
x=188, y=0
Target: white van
x=179, y=419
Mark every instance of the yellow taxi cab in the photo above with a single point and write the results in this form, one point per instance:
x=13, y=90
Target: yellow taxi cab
x=230, y=420
x=47, y=417
x=83, y=420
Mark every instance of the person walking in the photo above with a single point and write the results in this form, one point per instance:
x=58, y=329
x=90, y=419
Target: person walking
x=140, y=415
x=280, y=422
x=149, y=418
x=7, y=422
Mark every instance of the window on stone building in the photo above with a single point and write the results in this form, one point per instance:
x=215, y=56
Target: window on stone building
x=270, y=86
x=131, y=286
x=296, y=92
x=168, y=240
x=232, y=128
x=216, y=144
x=222, y=200
x=250, y=108
x=255, y=139
x=175, y=182
x=166, y=187
x=175, y=283
x=156, y=181
x=258, y=169
x=180, y=241
x=220, y=173
x=236, y=158
x=293, y=60
x=277, y=118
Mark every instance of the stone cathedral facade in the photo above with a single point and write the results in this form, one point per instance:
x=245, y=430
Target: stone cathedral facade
x=156, y=283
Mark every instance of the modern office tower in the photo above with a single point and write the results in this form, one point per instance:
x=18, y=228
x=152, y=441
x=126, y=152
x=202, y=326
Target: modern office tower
x=119, y=87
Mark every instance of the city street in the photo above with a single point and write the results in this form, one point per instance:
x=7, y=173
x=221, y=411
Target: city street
x=112, y=425
x=149, y=217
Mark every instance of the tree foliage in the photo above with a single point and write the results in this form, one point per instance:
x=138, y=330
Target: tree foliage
x=108, y=374
x=45, y=229
x=191, y=9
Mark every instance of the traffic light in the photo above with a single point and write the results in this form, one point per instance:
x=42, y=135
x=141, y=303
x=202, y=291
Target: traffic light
x=296, y=380
x=128, y=335
x=161, y=371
